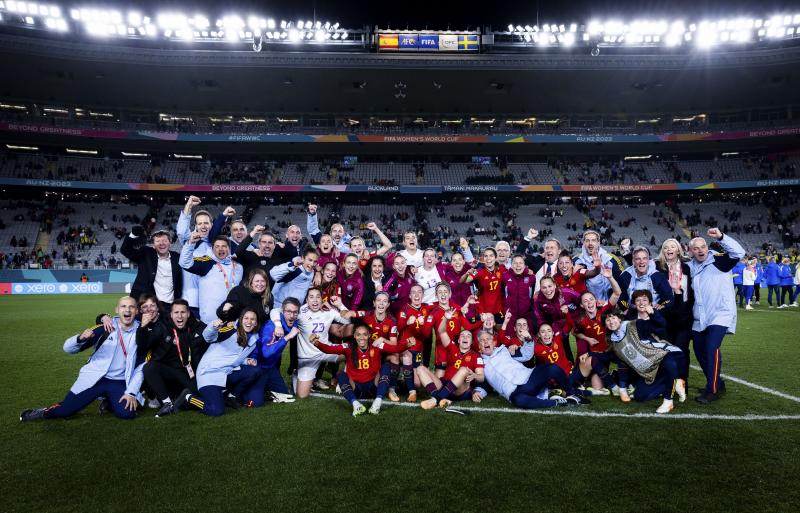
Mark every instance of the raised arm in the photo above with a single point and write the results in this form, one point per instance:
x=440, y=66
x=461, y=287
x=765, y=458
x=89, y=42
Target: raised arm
x=129, y=247
x=386, y=244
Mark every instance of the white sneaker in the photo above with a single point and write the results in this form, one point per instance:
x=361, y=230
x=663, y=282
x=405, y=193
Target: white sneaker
x=358, y=409
x=794, y=304
x=321, y=384
x=376, y=407
x=599, y=391
x=153, y=404
x=680, y=389
x=665, y=407
x=278, y=397
x=615, y=391
x=781, y=307
x=748, y=307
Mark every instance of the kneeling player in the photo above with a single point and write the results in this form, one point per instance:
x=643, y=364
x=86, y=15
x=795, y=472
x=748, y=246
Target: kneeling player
x=464, y=369
x=364, y=377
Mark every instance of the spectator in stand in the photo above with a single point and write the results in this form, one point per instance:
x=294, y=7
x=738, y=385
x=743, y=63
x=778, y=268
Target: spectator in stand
x=159, y=270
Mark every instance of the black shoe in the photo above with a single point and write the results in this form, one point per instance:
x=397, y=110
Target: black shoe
x=707, y=398
x=578, y=400
x=231, y=401
x=167, y=409
x=104, y=406
x=29, y=415
x=180, y=401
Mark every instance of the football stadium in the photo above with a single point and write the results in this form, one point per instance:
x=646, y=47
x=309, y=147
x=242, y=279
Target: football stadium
x=325, y=256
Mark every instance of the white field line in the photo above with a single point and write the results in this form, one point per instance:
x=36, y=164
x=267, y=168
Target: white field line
x=755, y=386
x=585, y=413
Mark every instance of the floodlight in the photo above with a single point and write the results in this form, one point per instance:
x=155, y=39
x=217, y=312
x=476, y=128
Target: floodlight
x=294, y=35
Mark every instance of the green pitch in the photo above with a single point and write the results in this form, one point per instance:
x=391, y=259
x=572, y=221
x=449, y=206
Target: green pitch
x=312, y=456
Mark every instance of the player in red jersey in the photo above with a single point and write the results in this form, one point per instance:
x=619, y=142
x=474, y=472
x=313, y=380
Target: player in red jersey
x=383, y=328
x=489, y=282
x=516, y=339
x=449, y=321
x=588, y=327
x=359, y=248
x=415, y=325
x=575, y=279
x=365, y=376
x=464, y=370
x=549, y=348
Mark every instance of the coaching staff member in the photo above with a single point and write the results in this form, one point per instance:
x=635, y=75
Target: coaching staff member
x=159, y=272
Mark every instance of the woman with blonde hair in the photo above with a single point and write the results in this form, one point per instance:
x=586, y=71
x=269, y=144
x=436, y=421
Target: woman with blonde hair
x=672, y=262
x=254, y=293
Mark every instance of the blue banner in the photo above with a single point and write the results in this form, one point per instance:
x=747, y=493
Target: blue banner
x=409, y=41
x=428, y=42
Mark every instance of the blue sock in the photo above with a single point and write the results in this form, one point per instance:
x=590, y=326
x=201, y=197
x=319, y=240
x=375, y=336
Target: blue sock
x=408, y=377
x=344, y=386
x=383, y=380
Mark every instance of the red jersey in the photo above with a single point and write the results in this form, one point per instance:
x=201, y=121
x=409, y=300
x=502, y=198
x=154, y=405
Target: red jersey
x=554, y=353
x=362, y=262
x=594, y=328
x=508, y=338
x=490, y=290
x=385, y=328
x=576, y=282
x=456, y=359
x=453, y=327
x=420, y=329
x=364, y=365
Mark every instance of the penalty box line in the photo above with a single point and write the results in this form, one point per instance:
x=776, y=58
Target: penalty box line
x=754, y=386
x=584, y=413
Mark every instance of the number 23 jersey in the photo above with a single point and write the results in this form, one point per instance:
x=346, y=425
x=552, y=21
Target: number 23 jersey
x=314, y=323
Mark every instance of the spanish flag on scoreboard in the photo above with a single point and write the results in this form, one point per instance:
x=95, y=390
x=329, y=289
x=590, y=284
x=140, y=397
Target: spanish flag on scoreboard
x=468, y=42
x=388, y=42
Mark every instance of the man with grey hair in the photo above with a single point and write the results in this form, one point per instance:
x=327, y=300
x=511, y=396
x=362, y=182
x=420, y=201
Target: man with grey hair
x=542, y=265
x=522, y=386
x=503, y=249
x=714, y=306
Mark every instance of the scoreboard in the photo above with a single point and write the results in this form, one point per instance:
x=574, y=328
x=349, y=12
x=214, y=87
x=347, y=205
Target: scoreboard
x=427, y=41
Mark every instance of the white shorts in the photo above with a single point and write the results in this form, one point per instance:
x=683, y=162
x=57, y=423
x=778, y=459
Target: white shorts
x=307, y=367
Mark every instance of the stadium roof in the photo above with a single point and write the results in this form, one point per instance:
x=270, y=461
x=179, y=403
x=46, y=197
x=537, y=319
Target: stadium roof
x=206, y=81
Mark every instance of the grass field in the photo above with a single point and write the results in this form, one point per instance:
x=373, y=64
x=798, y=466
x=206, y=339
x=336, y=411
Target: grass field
x=739, y=454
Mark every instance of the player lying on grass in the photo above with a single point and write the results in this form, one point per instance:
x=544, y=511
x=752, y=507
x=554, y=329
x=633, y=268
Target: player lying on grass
x=639, y=345
x=464, y=369
x=114, y=371
x=364, y=377
x=522, y=386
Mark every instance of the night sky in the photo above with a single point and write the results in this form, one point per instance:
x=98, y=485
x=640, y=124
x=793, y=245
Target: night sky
x=439, y=15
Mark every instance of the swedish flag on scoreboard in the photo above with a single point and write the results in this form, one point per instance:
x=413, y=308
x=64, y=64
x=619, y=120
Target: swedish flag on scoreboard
x=468, y=42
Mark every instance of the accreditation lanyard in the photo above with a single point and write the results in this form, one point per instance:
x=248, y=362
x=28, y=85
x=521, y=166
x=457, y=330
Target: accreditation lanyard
x=122, y=343
x=188, y=365
x=225, y=276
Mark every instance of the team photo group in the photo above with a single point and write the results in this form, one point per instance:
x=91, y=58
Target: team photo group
x=207, y=327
